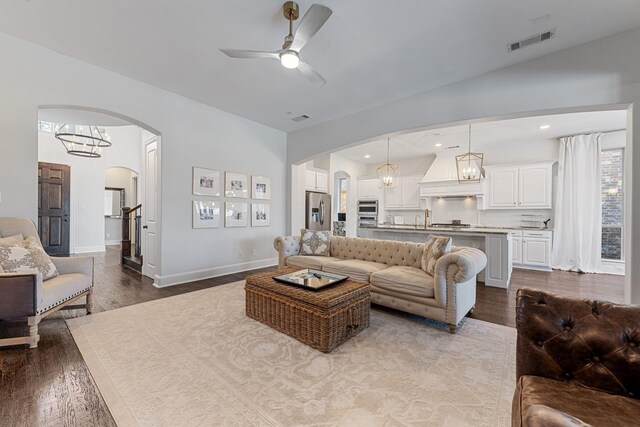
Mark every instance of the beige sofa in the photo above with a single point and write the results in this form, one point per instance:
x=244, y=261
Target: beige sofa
x=393, y=270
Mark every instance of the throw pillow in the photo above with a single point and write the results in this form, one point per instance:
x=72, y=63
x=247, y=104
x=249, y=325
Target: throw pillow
x=12, y=239
x=27, y=256
x=315, y=243
x=435, y=247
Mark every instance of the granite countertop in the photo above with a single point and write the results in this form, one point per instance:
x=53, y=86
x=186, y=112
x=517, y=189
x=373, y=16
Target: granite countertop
x=461, y=230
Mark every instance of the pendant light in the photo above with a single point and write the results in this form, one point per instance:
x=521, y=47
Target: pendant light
x=83, y=142
x=389, y=173
x=469, y=165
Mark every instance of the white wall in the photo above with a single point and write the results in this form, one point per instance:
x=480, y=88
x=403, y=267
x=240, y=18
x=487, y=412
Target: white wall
x=583, y=78
x=87, y=221
x=191, y=134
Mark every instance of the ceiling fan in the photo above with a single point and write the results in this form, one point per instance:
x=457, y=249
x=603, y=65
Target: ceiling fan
x=289, y=55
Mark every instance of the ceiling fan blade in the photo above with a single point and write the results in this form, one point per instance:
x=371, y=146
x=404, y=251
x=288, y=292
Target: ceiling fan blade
x=311, y=22
x=250, y=54
x=311, y=74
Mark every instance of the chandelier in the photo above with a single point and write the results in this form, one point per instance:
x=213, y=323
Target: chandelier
x=83, y=142
x=469, y=165
x=389, y=173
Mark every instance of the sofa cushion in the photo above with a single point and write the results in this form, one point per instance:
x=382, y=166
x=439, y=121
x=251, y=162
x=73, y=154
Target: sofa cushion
x=27, y=256
x=435, y=247
x=356, y=269
x=309, y=261
x=315, y=242
x=63, y=288
x=404, y=280
x=542, y=401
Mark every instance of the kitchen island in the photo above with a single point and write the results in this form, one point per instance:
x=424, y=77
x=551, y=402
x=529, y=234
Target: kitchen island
x=494, y=242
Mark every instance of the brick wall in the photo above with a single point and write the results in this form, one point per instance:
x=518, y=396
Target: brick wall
x=611, y=162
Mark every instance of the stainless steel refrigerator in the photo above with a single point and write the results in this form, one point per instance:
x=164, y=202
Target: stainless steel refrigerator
x=318, y=211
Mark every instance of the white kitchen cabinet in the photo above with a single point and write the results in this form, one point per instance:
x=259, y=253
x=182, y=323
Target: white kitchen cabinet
x=410, y=192
x=393, y=197
x=322, y=182
x=536, y=249
x=368, y=189
x=535, y=186
x=531, y=249
x=503, y=187
x=406, y=194
x=316, y=180
x=520, y=187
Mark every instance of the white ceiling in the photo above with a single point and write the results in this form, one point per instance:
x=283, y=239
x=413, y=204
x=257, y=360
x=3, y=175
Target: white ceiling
x=79, y=117
x=370, y=51
x=485, y=135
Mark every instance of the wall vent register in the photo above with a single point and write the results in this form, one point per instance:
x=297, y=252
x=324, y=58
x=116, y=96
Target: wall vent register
x=538, y=38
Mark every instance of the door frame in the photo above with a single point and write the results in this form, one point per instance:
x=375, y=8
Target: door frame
x=143, y=198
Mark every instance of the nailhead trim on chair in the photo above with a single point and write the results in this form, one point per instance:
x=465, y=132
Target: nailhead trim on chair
x=66, y=299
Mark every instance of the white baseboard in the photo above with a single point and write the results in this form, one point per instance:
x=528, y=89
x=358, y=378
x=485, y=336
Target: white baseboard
x=87, y=249
x=192, y=276
x=612, y=267
x=112, y=242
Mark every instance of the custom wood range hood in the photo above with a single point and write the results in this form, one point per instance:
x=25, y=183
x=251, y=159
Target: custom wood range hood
x=441, y=180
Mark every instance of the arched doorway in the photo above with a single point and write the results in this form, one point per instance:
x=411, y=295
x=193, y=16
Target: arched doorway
x=91, y=230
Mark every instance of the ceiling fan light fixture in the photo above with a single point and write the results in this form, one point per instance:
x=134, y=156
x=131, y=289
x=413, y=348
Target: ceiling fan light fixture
x=289, y=59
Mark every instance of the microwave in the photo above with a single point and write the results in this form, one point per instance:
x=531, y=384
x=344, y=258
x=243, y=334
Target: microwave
x=368, y=207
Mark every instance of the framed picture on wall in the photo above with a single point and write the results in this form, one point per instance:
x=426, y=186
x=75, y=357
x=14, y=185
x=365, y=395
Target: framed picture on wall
x=236, y=185
x=260, y=215
x=236, y=214
x=206, y=182
x=206, y=214
x=260, y=188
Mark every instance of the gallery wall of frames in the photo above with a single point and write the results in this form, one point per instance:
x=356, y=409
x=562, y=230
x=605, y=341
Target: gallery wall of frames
x=240, y=200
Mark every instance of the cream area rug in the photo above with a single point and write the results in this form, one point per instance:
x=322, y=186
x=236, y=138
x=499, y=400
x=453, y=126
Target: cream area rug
x=197, y=360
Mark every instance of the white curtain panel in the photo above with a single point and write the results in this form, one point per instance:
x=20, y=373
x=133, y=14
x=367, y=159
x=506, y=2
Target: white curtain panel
x=578, y=232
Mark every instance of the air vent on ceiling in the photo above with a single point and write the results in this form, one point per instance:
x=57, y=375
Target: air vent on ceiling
x=532, y=40
x=300, y=118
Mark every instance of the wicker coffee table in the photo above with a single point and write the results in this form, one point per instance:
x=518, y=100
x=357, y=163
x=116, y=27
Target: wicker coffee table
x=321, y=319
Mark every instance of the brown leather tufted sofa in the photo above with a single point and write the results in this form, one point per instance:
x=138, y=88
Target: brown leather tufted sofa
x=394, y=271
x=577, y=363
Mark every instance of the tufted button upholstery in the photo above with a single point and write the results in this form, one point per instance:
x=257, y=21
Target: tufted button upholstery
x=446, y=296
x=391, y=253
x=577, y=362
x=590, y=343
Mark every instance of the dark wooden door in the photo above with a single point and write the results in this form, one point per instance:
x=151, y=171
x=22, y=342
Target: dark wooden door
x=53, y=207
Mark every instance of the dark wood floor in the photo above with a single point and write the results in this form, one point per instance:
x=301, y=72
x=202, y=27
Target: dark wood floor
x=51, y=385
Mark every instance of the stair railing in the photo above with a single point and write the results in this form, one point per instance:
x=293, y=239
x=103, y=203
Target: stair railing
x=127, y=234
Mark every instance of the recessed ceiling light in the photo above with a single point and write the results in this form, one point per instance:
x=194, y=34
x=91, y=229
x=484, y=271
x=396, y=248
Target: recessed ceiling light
x=544, y=127
x=366, y=156
x=438, y=145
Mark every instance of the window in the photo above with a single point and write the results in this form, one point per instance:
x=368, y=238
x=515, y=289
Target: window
x=612, y=166
x=342, y=208
x=45, y=126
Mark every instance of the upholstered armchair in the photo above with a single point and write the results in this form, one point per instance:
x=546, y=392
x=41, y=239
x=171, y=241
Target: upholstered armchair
x=577, y=362
x=26, y=295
